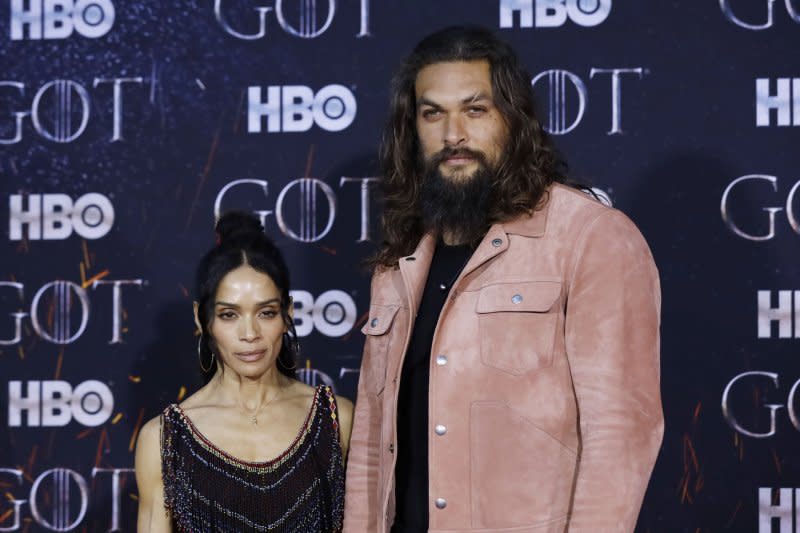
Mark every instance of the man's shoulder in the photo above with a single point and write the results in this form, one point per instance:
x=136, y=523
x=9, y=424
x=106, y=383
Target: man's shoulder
x=564, y=199
x=582, y=208
x=386, y=285
x=571, y=214
x=563, y=210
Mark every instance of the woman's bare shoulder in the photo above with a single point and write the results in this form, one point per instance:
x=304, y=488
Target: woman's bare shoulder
x=300, y=390
x=197, y=400
x=150, y=431
x=148, y=453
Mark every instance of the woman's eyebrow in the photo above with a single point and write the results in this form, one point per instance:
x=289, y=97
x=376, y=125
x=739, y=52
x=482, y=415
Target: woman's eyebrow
x=259, y=304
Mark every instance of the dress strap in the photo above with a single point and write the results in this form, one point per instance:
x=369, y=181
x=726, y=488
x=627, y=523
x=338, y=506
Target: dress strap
x=168, y=421
x=170, y=458
x=330, y=399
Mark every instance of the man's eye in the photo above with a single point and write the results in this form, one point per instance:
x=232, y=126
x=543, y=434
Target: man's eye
x=477, y=110
x=431, y=113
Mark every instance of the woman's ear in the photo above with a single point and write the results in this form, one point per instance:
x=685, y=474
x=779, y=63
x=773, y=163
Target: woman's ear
x=196, y=306
x=290, y=312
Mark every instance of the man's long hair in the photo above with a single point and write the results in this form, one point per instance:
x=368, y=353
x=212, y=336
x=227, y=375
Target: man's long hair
x=527, y=167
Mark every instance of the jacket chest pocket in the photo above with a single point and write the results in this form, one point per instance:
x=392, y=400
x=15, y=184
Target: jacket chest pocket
x=378, y=332
x=517, y=324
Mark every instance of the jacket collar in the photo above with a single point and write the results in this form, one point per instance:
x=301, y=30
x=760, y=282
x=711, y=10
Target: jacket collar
x=532, y=224
x=414, y=268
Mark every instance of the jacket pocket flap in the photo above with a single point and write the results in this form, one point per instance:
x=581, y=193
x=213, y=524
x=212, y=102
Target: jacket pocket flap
x=531, y=296
x=380, y=319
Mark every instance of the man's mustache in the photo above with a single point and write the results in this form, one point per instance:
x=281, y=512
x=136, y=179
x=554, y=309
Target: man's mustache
x=447, y=152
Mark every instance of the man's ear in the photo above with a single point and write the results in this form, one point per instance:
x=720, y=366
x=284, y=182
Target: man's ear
x=196, y=306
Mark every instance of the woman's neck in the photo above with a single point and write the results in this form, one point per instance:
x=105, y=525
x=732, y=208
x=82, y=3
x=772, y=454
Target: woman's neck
x=250, y=393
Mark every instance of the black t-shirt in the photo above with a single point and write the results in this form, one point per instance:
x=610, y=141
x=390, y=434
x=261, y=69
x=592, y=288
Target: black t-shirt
x=411, y=471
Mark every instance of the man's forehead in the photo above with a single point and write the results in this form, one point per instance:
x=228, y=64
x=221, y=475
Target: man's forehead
x=455, y=81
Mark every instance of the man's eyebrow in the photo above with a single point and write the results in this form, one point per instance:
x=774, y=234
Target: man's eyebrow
x=477, y=97
x=424, y=101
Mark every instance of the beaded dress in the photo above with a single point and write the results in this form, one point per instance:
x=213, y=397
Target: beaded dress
x=302, y=490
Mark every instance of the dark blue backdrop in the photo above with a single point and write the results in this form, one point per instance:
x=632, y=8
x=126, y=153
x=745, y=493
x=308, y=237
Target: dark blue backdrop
x=123, y=124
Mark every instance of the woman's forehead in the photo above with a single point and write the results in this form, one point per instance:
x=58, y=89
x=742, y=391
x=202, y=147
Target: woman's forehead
x=246, y=284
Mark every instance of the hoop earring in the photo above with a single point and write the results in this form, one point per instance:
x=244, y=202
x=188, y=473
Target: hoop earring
x=200, y=357
x=293, y=367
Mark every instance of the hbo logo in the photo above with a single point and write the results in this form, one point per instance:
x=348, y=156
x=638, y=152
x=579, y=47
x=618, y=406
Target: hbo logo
x=297, y=108
x=553, y=13
x=333, y=314
x=57, y=19
x=55, y=403
x=55, y=216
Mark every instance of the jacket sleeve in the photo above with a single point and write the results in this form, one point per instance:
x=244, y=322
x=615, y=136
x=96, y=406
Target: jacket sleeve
x=612, y=342
x=361, y=484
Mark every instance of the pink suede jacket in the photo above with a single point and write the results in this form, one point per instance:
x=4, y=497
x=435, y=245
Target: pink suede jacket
x=545, y=410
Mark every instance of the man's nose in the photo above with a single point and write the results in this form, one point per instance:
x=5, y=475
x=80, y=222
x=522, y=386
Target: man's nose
x=455, y=133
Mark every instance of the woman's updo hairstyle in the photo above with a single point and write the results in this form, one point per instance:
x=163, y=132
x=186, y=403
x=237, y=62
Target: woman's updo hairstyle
x=241, y=241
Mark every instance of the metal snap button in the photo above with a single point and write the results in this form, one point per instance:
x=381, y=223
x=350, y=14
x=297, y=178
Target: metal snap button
x=517, y=298
x=440, y=429
x=373, y=322
x=441, y=503
x=441, y=360
x=497, y=242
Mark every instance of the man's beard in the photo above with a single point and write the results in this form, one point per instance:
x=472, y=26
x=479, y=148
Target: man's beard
x=456, y=206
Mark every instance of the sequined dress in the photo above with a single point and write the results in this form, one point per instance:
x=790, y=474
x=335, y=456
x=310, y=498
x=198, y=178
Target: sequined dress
x=302, y=490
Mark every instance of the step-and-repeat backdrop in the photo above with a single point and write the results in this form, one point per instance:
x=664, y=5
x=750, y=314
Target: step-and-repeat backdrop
x=125, y=126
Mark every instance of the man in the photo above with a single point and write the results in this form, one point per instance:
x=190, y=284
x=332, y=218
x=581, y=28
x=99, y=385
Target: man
x=510, y=378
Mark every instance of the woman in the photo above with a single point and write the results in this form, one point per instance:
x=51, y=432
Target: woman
x=254, y=449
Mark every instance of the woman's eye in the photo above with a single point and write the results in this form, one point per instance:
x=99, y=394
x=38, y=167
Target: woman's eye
x=269, y=314
x=226, y=315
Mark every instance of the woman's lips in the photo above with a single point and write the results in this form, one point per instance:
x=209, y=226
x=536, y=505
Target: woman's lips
x=251, y=356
